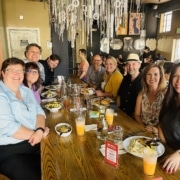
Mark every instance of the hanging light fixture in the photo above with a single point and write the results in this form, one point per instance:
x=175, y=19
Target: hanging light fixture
x=77, y=16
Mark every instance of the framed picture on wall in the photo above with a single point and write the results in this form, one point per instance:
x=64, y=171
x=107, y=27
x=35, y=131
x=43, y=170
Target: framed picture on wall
x=134, y=23
x=123, y=26
x=19, y=38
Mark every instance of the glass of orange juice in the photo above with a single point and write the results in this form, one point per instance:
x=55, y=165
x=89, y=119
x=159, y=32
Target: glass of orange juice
x=109, y=115
x=149, y=162
x=80, y=125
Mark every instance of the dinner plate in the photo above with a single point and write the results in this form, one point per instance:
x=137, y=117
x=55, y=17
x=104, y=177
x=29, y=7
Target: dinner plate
x=48, y=94
x=52, y=87
x=87, y=91
x=127, y=141
x=101, y=101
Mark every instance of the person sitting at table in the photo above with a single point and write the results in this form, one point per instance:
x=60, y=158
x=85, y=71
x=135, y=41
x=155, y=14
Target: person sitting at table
x=111, y=79
x=22, y=125
x=83, y=66
x=49, y=65
x=130, y=86
x=95, y=73
x=32, y=79
x=32, y=54
x=149, y=100
x=169, y=121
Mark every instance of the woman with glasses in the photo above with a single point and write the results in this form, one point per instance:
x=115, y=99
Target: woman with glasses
x=32, y=79
x=22, y=125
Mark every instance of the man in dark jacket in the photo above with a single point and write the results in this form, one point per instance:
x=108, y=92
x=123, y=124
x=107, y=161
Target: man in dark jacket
x=49, y=65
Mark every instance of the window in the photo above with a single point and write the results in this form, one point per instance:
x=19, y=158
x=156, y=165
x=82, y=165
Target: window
x=166, y=19
x=176, y=51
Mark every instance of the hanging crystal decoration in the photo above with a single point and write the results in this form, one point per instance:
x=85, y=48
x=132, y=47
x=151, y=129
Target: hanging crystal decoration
x=78, y=16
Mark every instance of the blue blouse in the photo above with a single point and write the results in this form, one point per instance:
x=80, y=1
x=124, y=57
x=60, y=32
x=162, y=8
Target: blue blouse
x=15, y=112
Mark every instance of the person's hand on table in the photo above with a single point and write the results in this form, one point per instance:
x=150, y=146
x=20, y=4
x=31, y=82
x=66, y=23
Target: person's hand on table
x=36, y=137
x=152, y=129
x=171, y=162
x=99, y=93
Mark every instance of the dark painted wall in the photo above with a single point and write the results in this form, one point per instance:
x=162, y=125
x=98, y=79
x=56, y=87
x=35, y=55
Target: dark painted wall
x=62, y=48
x=151, y=23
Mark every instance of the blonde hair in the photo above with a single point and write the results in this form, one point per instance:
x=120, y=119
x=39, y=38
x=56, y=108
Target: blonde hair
x=162, y=82
x=113, y=59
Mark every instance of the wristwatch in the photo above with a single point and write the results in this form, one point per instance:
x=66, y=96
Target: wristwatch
x=39, y=128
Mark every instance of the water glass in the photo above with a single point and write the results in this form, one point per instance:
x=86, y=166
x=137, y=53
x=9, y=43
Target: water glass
x=102, y=110
x=118, y=134
x=102, y=129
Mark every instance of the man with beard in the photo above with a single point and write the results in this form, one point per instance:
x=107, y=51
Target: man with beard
x=130, y=86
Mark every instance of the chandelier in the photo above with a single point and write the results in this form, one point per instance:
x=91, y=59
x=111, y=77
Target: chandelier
x=78, y=16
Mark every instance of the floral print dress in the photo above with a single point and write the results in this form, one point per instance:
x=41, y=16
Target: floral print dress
x=150, y=111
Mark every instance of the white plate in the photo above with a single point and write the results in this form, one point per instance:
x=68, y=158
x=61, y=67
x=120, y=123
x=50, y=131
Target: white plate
x=53, y=87
x=90, y=91
x=127, y=141
x=66, y=133
x=104, y=101
x=48, y=94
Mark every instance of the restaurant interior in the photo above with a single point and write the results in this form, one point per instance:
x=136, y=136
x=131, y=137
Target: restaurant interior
x=123, y=27
x=36, y=15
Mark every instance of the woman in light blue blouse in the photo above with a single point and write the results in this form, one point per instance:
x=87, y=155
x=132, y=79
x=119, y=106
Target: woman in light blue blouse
x=22, y=125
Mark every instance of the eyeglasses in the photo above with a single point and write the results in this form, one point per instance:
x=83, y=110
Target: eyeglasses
x=32, y=71
x=14, y=71
x=97, y=60
x=34, y=52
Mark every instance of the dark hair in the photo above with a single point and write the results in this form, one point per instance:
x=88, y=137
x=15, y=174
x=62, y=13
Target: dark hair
x=83, y=51
x=161, y=84
x=32, y=65
x=31, y=45
x=146, y=47
x=169, y=101
x=168, y=67
x=10, y=61
x=54, y=57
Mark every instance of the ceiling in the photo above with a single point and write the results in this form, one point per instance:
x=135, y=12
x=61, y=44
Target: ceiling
x=154, y=1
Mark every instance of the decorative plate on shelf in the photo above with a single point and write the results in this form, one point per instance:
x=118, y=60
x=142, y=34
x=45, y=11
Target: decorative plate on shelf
x=136, y=145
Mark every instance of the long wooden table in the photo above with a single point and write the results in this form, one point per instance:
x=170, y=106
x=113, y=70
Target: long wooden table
x=79, y=158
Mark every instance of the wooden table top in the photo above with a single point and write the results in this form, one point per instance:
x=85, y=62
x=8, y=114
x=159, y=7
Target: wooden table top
x=79, y=158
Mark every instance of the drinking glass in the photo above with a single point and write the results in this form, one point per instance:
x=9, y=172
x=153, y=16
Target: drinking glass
x=118, y=135
x=149, y=162
x=102, y=128
x=102, y=110
x=80, y=125
x=66, y=102
x=109, y=116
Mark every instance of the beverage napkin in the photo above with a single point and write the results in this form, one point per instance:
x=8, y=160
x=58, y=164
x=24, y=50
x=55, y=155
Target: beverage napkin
x=121, y=150
x=81, y=109
x=91, y=127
